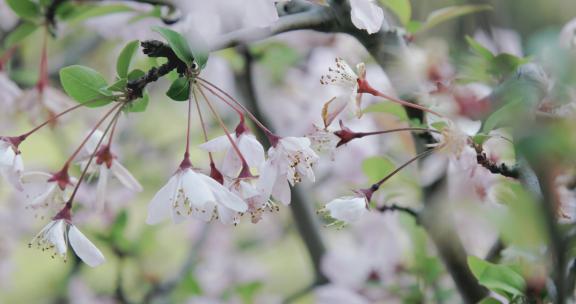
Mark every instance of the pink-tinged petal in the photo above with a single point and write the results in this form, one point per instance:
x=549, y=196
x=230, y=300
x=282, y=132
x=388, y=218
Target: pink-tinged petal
x=252, y=150
x=84, y=249
x=231, y=163
x=224, y=196
x=101, y=187
x=267, y=179
x=332, y=109
x=125, y=177
x=281, y=191
x=366, y=15
x=160, y=206
x=196, y=189
x=227, y=216
x=220, y=143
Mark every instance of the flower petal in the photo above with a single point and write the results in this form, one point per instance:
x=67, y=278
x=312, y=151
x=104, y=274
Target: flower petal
x=125, y=177
x=332, y=108
x=101, y=188
x=224, y=196
x=160, y=206
x=84, y=249
x=220, y=143
x=366, y=15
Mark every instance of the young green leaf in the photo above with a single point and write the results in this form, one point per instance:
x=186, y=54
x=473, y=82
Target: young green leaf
x=377, y=167
x=22, y=31
x=179, y=90
x=138, y=105
x=498, y=278
x=388, y=107
x=125, y=58
x=479, y=49
x=85, y=84
x=178, y=44
x=402, y=9
x=118, y=86
x=26, y=9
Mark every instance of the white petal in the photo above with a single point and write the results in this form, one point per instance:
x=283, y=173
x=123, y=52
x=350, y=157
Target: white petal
x=92, y=142
x=160, y=206
x=252, y=150
x=347, y=209
x=196, y=189
x=366, y=15
x=101, y=187
x=220, y=143
x=84, y=249
x=267, y=179
x=281, y=191
x=468, y=126
x=224, y=196
x=56, y=236
x=125, y=177
x=333, y=108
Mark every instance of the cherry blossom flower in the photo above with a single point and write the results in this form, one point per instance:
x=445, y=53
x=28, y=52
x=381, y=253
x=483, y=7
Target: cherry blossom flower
x=348, y=209
x=11, y=164
x=290, y=160
x=248, y=145
x=45, y=192
x=455, y=135
x=107, y=166
x=366, y=15
x=323, y=140
x=258, y=203
x=58, y=233
x=343, y=76
x=189, y=193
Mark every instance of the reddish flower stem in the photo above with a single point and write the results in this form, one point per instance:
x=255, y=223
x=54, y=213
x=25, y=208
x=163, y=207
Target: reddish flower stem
x=223, y=126
x=93, y=154
x=73, y=156
x=271, y=136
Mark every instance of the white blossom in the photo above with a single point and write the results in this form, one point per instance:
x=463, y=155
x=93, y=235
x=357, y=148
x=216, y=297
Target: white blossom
x=11, y=164
x=107, y=165
x=248, y=145
x=43, y=192
x=342, y=76
x=55, y=237
x=366, y=15
x=189, y=193
x=568, y=35
x=290, y=160
x=348, y=209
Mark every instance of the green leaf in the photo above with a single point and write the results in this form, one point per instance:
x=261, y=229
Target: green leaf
x=86, y=11
x=125, y=58
x=22, y=31
x=479, y=49
x=402, y=9
x=502, y=116
x=388, y=107
x=498, y=278
x=414, y=26
x=179, y=90
x=450, y=12
x=138, y=105
x=248, y=291
x=24, y=8
x=439, y=125
x=135, y=74
x=178, y=44
x=118, y=86
x=480, y=138
x=85, y=84
x=375, y=168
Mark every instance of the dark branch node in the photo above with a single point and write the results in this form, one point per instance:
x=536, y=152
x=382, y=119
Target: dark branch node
x=501, y=169
x=155, y=49
x=394, y=207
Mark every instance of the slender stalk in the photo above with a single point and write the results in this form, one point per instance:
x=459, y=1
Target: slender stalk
x=252, y=117
x=112, y=131
x=200, y=116
x=51, y=119
x=71, y=158
x=413, y=159
x=234, y=107
x=187, y=153
x=362, y=134
x=223, y=126
x=84, y=172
